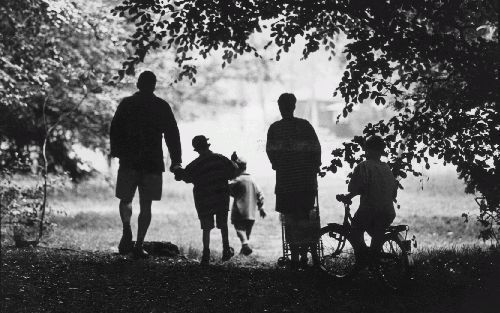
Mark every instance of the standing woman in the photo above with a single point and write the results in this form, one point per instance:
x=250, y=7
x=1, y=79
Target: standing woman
x=295, y=154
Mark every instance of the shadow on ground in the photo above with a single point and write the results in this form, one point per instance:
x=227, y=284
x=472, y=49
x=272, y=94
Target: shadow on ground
x=55, y=280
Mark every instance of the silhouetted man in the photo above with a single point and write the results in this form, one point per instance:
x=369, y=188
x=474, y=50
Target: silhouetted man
x=136, y=139
x=295, y=154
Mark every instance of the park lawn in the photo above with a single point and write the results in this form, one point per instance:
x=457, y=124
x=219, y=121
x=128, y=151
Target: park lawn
x=59, y=280
x=87, y=218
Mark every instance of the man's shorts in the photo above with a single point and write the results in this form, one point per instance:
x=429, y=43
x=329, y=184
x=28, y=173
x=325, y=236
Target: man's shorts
x=149, y=184
x=207, y=221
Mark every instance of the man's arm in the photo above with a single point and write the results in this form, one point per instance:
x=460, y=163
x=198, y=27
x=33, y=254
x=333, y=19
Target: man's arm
x=315, y=145
x=172, y=139
x=272, y=147
x=116, y=131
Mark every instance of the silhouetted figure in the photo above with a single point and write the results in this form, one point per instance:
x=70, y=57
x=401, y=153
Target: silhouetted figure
x=374, y=182
x=295, y=154
x=210, y=173
x=136, y=139
x=247, y=200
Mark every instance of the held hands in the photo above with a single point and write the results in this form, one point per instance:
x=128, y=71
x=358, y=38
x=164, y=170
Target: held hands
x=178, y=171
x=174, y=167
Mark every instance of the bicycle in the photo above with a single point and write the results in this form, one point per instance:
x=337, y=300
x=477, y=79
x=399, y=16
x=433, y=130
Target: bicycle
x=392, y=264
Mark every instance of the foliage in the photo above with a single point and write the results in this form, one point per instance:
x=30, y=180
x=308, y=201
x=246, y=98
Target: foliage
x=51, y=53
x=436, y=62
x=19, y=209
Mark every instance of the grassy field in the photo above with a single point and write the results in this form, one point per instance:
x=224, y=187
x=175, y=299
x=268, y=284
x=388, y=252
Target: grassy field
x=87, y=215
x=76, y=268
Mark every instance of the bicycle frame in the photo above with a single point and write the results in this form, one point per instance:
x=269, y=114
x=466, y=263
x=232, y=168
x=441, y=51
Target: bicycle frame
x=392, y=230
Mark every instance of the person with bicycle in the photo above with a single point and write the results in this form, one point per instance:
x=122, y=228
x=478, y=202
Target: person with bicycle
x=374, y=182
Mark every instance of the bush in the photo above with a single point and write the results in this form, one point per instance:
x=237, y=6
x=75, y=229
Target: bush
x=20, y=211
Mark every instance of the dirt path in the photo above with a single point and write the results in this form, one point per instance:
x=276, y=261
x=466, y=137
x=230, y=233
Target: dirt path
x=36, y=280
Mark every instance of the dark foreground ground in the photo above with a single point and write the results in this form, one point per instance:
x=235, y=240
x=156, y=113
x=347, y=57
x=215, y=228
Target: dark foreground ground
x=48, y=280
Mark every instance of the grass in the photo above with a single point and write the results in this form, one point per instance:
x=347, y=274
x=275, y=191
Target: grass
x=86, y=216
x=453, y=271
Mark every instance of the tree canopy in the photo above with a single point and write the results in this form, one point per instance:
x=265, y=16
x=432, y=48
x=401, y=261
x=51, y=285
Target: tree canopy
x=53, y=55
x=435, y=62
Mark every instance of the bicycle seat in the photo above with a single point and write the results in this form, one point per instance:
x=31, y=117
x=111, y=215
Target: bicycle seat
x=397, y=228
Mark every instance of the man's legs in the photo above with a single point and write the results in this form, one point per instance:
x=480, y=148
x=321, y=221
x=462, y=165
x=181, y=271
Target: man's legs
x=126, y=185
x=206, y=239
x=125, y=245
x=205, y=258
x=225, y=236
x=144, y=220
x=150, y=188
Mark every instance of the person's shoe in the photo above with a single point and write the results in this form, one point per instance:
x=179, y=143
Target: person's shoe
x=205, y=258
x=246, y=250
x=125, y=246
x=227, y=253
x=139, y=253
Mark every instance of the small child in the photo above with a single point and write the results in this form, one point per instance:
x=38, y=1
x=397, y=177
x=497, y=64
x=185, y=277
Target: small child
x=247, y=198
x=210, y=173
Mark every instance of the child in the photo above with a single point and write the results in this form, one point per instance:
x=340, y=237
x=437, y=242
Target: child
x=210, y=173
x=247, y=198
x=373, y=180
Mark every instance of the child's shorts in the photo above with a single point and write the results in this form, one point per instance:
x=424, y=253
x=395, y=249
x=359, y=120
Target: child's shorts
x=207, y=221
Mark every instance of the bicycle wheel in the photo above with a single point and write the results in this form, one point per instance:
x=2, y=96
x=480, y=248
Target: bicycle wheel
x=393, y=264
x=338, y=254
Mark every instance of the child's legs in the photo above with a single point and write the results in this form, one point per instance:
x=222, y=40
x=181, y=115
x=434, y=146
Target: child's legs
x=240, y=232
x=248, y=228
x=377, y=231
x=221, y=221
x=207, y=224
x=360, y=223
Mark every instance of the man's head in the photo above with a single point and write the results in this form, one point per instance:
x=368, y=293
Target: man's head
x=200, y=143
x=374, y=147
x=147, y=81
x=286, y=103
